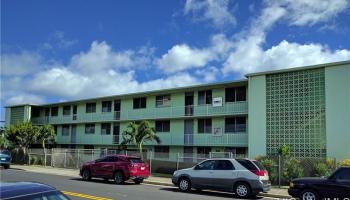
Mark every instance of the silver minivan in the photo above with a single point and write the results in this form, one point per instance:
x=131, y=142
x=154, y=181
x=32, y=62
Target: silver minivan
x=244, y=177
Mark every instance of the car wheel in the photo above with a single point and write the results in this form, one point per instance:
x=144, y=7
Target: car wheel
x=309, y=195
x=6, y=166
x=184, y=184
x=242, y=190
x=119, y=177
x=138, y=181
x=86, y=175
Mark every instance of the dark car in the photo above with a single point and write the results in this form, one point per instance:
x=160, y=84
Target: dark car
x=117, y=167
x=5, y=158
x=29, y=191
x=336, y=185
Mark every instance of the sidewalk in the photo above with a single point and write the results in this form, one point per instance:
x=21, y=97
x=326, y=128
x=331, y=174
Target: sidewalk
x=274, y=192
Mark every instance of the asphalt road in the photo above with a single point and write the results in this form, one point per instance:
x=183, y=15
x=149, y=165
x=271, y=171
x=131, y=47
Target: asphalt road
x=98, y=189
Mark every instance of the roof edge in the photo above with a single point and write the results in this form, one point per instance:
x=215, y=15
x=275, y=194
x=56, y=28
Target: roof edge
x=298, y=68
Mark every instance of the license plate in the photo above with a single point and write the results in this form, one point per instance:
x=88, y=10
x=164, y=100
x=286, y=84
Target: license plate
x=142, y=168
x=3, y=158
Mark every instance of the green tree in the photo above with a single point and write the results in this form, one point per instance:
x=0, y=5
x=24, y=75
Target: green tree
x=138, y=134
x=44, y=134
x=284, y=150
x=21, y=135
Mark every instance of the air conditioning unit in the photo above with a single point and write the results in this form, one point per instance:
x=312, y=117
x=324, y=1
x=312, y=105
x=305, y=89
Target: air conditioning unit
x=217, y=131
x=217, y=101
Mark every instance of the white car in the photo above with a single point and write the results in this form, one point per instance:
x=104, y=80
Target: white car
x=244, y=177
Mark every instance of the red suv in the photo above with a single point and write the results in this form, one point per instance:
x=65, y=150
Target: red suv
x=117, y=167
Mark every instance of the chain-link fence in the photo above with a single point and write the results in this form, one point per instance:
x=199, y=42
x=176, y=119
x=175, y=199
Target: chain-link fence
x=281, y=169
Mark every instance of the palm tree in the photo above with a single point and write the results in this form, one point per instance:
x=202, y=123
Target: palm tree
x=137, y=134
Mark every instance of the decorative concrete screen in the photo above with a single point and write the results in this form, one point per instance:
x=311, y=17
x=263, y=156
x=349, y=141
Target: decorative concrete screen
x=295, y=112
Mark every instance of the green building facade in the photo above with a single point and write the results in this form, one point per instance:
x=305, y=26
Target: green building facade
x=307, y=108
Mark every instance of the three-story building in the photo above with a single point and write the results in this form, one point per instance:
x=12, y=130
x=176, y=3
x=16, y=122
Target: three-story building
x=307, y=108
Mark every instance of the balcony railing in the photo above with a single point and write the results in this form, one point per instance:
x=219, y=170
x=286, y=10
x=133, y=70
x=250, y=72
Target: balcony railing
x=149, y=113
x=86, y=139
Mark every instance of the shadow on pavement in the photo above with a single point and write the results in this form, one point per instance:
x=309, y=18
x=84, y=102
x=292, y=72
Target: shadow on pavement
x=14, y=168
x=95, y=180
x=206, y=193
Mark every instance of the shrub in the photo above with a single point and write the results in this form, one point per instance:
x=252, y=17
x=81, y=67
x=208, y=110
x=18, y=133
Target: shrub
x=271, y=167
x=291, y=169
x=345, y=162
x=320, y=169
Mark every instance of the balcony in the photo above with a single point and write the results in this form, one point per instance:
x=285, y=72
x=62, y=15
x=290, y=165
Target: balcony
x=226, y=139
x=234, y=108
x=86, y=139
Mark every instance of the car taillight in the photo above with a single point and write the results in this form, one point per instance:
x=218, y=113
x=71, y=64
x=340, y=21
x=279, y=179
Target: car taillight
x=259, y=172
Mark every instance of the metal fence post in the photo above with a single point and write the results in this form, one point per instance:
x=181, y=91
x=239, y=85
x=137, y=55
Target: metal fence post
x=52, y=158
x=279, y=171
x=178, y=160
x=78, y=163
x=150, y=162
x=65, y=158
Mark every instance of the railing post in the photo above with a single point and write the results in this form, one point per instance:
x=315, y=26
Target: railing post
x=92, y=155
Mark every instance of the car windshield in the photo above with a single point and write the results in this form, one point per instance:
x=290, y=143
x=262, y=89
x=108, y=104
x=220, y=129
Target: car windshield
x=4, y=152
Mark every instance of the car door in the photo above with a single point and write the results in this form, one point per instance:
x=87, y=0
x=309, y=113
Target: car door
x=223, y=175
x=201, y=176
x=96, y=167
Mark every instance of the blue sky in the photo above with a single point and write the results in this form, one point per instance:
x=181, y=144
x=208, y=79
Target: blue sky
x=61, y=50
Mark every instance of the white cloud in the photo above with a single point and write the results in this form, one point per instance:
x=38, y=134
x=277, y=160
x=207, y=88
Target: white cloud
x=101, y=56
x=19, y=64
x=58, y=40
x=181, y=57
x=216, y=11
x=310, y=12
x=248, y=54
x=285, y=55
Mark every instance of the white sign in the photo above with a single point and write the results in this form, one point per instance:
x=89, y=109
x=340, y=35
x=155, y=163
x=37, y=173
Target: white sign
x=217, y=131
x=217, y=101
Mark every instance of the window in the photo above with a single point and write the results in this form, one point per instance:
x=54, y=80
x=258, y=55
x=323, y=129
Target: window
x=206, y=165
x=204, y=97
x=235, y=124
x=36, y=112
x=247, y=164
x=342, y=174
x=223, y=165
x=54, y=111
x=66, y=110
x=90, y=107
x=235, y=94
x=88, y=146
x=204, y=126
x=163, y=101
x=140, y=102
x=163, y=126
x=106, y=106
x=105, y=129
x=65, y=130
x=89, y=128
x=241, y=94
x=161, y=151
x=203, y=150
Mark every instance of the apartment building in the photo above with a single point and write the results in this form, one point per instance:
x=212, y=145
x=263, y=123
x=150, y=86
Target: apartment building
x=307, y=108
